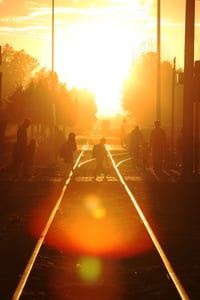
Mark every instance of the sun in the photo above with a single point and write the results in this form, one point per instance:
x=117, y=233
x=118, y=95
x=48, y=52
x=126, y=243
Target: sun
x=96, y=57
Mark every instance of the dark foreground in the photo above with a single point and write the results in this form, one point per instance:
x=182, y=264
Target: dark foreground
x=172, y=210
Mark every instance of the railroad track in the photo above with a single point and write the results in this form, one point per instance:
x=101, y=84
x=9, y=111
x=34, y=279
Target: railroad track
x=96, y=242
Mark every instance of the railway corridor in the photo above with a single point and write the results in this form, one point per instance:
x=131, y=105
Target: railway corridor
x=96, y=246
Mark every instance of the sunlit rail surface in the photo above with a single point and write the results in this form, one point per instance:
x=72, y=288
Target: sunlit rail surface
x=93, y=227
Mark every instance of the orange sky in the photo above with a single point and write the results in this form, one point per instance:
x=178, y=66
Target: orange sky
x=95, y=40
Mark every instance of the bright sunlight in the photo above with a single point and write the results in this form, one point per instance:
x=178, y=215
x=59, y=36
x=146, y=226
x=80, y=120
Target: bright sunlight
x=97, y=58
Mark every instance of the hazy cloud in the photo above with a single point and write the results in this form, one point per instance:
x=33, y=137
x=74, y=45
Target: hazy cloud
x=21, y=13
x=17, y=11
x=13, y=8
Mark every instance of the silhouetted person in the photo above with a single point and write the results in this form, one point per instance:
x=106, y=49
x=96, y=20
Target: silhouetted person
x=67, y=150
x=158, y=146
x=100, y=154
x=135, y=144
x=20, y=150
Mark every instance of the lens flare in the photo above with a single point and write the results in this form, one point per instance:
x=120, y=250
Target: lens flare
x=89, y=269
x=94, y=225
x=94, y=206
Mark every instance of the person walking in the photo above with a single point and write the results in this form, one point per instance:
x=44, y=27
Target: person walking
x=67, y=150
x=158, y=146
x=135, y=145
x=100, y=154
x=20, y=167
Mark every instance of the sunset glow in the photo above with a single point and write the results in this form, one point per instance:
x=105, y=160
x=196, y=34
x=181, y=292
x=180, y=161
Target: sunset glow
x=91, y=227
x=98, y=58
x=96, y=53
x=95, y=41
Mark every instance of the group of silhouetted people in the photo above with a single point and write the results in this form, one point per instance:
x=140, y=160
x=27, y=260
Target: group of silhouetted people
x=67, y=150
x=24, y=149
x=140, y=150
x=23, y=152
x=157, y=147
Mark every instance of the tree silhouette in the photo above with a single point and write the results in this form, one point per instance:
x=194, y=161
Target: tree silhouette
x=42, y=97
x=139, y=90
x=17, y=69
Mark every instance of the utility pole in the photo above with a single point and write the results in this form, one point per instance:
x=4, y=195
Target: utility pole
x=173, y=112
x=196, y=117
x=52, y=57
x=52, y=66
x=188, y=98
x=158, y=105
x=0, y=75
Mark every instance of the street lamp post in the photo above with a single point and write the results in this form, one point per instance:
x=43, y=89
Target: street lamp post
x=0, y=76
x=188, y=90
x=158, y=104
x=173, y=111
x=52, y=65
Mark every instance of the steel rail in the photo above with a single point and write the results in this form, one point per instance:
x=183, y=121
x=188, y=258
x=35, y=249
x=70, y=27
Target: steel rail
x=183, y=294
x=40, y=241
x=152, y=235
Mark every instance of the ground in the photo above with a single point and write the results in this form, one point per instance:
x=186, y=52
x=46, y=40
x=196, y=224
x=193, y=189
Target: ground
x=172, y=209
